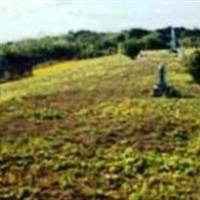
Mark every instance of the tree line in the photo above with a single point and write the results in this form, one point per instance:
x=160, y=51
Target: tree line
x=17, y=59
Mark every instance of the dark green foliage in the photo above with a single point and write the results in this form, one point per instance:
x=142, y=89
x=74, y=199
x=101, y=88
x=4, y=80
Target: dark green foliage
x=137, y=33
x=192, y=41
x=193, y=65
x=153, y=41
x=92, y=44
x=2, y=64
x=20, y=57
x=131, y=48
x=172, y=93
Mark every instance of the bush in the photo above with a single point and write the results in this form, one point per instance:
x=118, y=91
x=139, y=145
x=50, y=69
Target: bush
x=131, y=48
x=193, y=65
x=153, y=41
x=20, y=57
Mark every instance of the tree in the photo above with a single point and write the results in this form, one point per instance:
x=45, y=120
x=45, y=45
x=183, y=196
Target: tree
x=189, y=42
x=153, y=41
x=131, y=48
x=193, y=65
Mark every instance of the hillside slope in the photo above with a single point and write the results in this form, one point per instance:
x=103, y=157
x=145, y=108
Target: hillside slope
x=91, y=130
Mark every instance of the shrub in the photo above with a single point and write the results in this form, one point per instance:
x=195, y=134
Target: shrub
x=131, y=48
x=193, y=65
x=153, y=41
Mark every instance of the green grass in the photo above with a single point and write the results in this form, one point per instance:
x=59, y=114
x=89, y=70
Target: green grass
x=91, y=130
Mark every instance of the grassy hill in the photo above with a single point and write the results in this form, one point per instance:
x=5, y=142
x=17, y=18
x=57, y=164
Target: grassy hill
x=90, y=129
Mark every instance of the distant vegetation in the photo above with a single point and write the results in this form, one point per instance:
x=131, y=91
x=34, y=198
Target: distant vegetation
x=18, y=58
x=193, y=65
x=131, y=48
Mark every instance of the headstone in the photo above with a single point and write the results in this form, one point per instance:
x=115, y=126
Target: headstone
x=161, y=87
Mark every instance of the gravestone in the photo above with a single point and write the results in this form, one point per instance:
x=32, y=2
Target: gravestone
x=161, y=87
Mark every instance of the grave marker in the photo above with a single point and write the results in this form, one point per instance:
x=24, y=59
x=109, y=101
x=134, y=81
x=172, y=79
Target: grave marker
x=161, y=87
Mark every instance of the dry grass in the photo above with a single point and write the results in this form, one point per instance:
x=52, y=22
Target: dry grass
x=91, y=130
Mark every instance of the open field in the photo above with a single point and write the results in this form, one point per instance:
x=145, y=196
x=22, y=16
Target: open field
x=91, y=130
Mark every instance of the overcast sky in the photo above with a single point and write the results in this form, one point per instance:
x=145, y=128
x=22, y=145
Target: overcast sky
x=35, y=18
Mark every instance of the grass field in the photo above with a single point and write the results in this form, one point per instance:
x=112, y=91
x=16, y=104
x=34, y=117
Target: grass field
x=90, y=130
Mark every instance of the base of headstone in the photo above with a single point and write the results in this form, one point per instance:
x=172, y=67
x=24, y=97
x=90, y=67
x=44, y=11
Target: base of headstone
x=160, y=90
x=167, y=92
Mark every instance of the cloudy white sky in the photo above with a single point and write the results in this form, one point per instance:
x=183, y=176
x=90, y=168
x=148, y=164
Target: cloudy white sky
x=36, y=18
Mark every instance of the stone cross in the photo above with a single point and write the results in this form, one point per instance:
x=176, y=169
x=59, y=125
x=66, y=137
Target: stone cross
x=161, y=76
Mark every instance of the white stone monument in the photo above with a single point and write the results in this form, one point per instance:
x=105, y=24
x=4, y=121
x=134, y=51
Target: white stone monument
x=173, y=41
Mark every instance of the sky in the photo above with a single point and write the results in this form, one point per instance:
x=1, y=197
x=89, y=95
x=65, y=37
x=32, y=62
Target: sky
x=37, y=18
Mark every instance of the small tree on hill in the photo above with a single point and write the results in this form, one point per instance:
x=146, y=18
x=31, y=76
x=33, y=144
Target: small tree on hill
x=193, y=65
x=153, y=41
x=131, y=48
